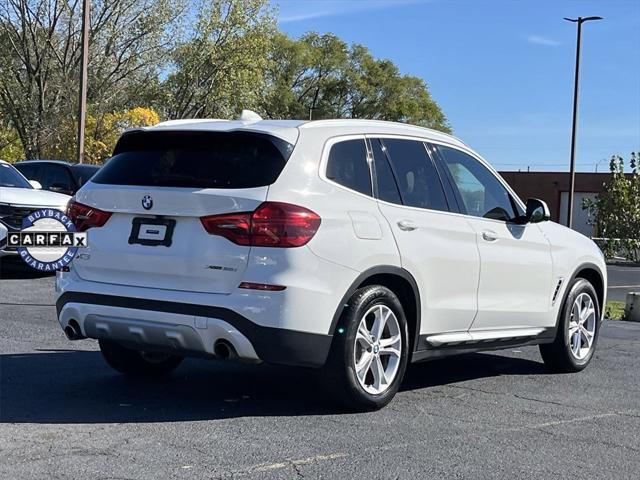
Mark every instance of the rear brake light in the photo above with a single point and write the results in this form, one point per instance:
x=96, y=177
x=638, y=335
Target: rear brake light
x=85, y=217
x=272, y=224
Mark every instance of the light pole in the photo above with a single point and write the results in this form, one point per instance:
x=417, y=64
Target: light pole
x=572, y=174
x=82, y=104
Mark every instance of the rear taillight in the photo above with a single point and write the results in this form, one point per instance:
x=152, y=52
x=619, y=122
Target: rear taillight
x=235, y=227
x=85, y=217
x=272, y=224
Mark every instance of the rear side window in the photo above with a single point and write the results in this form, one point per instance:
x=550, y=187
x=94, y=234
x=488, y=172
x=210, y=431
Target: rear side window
x=56, y=177
x=196, y=160
x=417, y=178
x=348, y=166
x=386, y=183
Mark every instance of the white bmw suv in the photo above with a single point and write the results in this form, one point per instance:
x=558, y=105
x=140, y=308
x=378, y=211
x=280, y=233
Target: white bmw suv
x=352, y=245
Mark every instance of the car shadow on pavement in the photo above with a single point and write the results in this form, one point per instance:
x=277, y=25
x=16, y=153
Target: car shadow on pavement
x=13, y=268
x=69, y=386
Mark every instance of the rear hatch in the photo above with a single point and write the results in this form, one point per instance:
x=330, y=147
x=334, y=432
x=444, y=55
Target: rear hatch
x=156, y=188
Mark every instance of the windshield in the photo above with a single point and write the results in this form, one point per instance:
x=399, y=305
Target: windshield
x=196, y=160
x=9, y=177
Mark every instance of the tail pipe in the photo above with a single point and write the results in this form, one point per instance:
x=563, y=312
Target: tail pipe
x=72, y=331
x=224, y=350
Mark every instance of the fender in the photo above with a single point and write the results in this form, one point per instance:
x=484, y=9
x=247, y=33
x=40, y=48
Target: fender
x=362, y=278
x=577, y=270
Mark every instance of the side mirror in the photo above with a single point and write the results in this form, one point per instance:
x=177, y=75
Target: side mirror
x=35, y=184
x=537, y=211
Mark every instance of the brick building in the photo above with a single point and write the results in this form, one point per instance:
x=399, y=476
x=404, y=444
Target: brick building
x=553, y=188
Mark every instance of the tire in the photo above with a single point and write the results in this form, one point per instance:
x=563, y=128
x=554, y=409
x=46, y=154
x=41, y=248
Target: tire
x=137, y=363
x=568, y=352
x=387, y=352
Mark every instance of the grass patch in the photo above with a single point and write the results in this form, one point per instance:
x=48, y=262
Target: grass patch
x=614, y=310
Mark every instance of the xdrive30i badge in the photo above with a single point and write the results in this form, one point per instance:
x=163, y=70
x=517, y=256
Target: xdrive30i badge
x=147, y=202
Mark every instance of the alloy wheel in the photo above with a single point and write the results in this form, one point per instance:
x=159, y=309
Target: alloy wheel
x=582, y=326
x=377, y=349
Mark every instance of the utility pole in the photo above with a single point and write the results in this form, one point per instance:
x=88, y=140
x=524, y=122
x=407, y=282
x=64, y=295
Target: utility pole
x=572, y=170
x=82, y=104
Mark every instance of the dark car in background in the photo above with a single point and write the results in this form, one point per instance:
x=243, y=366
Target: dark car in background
x=56, y=175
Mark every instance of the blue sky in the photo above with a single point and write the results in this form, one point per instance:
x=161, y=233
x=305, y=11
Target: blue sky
x=502, y=70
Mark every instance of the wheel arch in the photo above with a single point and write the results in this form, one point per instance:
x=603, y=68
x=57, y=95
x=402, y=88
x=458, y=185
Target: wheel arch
x=400, y=282
x=593, y=274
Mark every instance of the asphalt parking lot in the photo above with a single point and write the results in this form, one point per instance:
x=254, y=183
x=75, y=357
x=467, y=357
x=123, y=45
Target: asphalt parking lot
x=622, y=280
x=65, y=414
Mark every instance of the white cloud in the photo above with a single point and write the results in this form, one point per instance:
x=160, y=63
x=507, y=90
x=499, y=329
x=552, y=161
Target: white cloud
x=299, y=10
x=540, y=40
x=304, y=16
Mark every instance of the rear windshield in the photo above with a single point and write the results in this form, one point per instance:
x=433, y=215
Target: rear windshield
x=196, y=159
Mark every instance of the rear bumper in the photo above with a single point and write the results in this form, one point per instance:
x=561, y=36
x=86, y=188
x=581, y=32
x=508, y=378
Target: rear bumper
x=291, y=326
x=187, y=329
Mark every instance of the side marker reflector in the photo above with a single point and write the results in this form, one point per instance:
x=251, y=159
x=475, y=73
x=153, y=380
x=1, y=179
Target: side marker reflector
x=261, y=286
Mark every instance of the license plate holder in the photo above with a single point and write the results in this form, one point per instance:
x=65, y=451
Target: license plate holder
x=152, y=232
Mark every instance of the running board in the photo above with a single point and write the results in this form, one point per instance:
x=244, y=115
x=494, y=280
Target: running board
x=458, y=338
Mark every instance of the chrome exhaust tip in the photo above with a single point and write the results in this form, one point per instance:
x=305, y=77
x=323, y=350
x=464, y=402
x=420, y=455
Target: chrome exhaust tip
x=224, y=350
x=72, y=331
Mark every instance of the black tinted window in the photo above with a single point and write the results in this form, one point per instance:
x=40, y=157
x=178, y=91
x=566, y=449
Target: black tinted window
x=482, y=193
x=29, y=170
x=56, y=177
x=417, y=178
x=196, y=160
x=82, y=173
x=348, y=166
x=386, y=183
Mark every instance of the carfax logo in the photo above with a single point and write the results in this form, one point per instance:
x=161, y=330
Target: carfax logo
x=48, y=240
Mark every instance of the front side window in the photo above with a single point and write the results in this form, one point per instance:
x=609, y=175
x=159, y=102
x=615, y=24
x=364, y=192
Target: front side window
x=481, y=192
x=348, y=166
x=417, y=178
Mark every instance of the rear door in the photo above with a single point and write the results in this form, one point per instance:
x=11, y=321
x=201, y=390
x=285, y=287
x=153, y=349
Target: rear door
x=157, y=186
x=516, y=266
x=437, y=247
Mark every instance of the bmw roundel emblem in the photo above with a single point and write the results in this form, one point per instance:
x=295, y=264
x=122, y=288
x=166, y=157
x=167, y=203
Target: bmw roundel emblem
x=147, y=202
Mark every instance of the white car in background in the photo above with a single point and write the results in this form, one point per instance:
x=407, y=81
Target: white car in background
x=352, y=245
x=18, y=198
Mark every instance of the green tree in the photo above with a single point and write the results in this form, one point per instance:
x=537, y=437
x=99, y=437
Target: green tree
x=218, y=69
x=10, y=146
x=40, y=52
x=320, y=76
x=615, y=212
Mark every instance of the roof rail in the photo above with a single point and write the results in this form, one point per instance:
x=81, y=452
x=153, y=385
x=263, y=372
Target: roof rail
x=183, y=121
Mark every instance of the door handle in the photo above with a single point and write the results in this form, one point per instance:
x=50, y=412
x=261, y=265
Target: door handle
x=406, y=225
x=489, y=236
